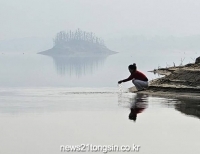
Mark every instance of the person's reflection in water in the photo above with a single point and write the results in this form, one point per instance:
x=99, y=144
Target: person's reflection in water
x=138, y=105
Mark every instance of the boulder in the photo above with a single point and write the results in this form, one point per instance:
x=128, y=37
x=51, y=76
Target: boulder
x=197, y=60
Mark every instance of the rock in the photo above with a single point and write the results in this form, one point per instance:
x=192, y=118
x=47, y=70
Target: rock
x=188, y=65
x=197, y=60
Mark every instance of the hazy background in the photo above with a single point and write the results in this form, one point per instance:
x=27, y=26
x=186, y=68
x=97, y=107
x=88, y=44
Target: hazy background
x=29, y=22
x=47, y=101
x=152, y=34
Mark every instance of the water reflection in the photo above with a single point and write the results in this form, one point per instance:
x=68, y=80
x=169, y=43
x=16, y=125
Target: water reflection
x=136, y=102
x=189, y=107
x=78, y=66
x=138, y=105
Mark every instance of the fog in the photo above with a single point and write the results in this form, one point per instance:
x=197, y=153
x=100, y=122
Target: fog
x=68, y=93
x=108, y=19
x=140, y=30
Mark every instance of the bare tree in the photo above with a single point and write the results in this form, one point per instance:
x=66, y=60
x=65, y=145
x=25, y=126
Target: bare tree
x=78, y=35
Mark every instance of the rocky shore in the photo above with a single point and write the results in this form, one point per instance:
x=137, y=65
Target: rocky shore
x=180, y=81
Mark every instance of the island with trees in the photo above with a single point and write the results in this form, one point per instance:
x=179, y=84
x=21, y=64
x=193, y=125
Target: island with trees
x=76, y=44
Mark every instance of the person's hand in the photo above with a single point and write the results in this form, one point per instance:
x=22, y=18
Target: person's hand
x=119, y=82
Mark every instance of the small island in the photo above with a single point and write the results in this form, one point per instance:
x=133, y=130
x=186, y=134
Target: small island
x=78, y=44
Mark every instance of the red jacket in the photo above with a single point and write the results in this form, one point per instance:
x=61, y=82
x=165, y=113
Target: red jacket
x=136, y=75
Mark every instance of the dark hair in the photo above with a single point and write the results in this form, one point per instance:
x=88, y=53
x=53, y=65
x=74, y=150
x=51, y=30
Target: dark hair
x=132, y=116
x=132, y=67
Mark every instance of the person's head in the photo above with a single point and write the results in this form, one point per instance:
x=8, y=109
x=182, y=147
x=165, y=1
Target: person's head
x=132, y=68
x=133, y=116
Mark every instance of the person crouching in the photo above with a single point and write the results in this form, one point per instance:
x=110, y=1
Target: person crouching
x=138, y=78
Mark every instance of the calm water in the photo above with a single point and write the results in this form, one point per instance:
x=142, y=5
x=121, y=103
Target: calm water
x=47, y=102
x=33, y=70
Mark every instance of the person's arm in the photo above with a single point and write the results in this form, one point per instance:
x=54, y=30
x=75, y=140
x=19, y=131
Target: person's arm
x=128, y=79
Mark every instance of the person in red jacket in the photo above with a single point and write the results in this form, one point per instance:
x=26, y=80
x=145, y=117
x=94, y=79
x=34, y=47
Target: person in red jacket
x=138, y=78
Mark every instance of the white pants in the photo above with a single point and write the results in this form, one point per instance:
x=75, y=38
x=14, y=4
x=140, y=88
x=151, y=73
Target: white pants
x=140, y=85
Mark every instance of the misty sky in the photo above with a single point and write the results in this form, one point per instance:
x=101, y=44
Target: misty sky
x=106, y=18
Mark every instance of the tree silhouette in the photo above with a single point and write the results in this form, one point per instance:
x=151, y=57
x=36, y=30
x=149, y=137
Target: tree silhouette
x=78, y=35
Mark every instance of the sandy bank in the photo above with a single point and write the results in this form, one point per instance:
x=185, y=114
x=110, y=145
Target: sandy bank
x=180, y=81
x=168, y=94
